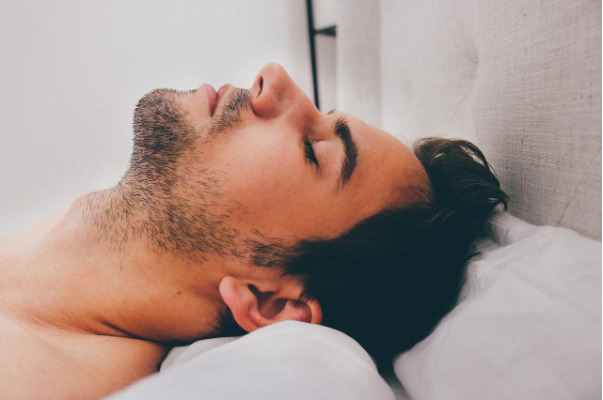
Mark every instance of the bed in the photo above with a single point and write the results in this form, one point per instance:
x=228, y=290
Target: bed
x=522, y=80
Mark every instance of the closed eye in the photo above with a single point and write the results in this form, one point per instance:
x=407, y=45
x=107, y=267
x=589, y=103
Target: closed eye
x=310, y=156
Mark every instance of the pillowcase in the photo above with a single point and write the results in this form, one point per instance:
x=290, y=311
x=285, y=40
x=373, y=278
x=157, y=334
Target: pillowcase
x=527, y=326
x=286, y=360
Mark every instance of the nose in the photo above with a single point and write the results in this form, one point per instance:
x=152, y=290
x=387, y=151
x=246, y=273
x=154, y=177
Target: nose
x=274, y=94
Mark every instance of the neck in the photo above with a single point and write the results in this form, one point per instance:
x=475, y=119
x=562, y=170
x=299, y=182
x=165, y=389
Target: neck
x=94, y=273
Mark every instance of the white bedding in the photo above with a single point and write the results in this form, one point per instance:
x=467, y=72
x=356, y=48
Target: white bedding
x=528, y=325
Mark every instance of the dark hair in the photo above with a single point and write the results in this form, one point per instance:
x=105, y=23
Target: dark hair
x=389, y=280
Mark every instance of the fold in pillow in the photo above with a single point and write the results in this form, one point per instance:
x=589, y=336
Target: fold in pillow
x=287, y=360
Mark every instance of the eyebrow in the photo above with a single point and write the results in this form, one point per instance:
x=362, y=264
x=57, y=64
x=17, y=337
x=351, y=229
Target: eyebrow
x=342, y=130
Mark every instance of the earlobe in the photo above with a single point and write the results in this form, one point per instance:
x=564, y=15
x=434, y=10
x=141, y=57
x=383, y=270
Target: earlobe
x=254, y=306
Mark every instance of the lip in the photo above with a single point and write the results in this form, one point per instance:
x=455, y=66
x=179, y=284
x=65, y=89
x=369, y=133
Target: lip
x=212, y=98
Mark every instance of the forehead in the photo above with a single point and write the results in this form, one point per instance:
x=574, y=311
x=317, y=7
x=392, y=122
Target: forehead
x=387, y=169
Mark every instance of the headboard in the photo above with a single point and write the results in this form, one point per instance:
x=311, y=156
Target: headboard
x=520, y=78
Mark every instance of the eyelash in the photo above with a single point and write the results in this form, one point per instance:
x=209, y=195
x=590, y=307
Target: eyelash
x=310, y=156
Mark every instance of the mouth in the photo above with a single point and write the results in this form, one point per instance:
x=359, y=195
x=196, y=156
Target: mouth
x=215, y=97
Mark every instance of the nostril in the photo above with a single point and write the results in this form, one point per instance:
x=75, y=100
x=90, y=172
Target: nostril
x=256, y=88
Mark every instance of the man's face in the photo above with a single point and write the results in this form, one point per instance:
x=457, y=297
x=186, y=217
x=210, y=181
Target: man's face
x=267, y=161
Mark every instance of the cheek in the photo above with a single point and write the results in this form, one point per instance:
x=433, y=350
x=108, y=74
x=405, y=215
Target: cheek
x=265, y=176
x=279, y=199
x=267, y=185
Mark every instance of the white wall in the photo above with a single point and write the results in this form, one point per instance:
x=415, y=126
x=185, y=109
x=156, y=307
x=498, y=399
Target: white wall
x=71, y=73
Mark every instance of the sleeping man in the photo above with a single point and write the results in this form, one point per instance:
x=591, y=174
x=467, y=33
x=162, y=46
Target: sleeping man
x=240, y=208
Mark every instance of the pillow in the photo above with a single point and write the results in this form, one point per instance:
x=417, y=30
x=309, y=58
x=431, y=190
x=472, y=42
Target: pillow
x=287, y=360
x=527, y=326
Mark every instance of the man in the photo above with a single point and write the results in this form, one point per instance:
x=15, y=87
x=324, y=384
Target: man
x=233, y=210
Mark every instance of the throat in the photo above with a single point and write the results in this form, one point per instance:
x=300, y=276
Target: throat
x=59, y=275
x=86, y=276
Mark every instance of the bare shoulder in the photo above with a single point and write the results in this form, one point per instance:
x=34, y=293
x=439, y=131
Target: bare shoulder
x=14, y=248
x=78, y=366
x=41, y=228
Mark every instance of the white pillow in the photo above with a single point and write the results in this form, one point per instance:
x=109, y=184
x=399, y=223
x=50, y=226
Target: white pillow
x=287, y=360
x=528, y=325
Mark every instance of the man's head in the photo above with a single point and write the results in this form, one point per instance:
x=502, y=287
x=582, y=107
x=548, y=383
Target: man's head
x=275, y=163
x=273, y=194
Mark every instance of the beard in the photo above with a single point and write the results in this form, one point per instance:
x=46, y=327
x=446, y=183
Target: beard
x=161, y=135
x=166, y=199
x=167, y=203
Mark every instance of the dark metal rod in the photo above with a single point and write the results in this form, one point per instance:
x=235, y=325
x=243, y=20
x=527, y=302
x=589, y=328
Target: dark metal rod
x=311, y=33
x=328, y=31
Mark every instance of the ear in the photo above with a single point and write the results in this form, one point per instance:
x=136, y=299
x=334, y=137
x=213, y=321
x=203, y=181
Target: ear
x=254, y=305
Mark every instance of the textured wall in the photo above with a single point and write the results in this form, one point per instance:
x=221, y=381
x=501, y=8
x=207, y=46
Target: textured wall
x=358, y=68
x=522, y=79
